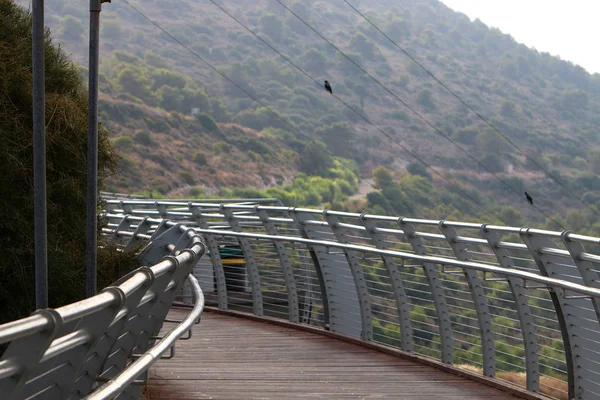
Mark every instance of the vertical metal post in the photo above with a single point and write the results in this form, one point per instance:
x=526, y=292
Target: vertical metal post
x=92, y=149
x=39, y=156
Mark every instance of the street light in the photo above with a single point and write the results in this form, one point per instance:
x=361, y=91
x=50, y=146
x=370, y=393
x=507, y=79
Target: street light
x=39, y=155
x=92, y=148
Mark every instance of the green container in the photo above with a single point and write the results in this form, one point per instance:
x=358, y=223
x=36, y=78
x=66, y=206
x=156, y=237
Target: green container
x=234, y=267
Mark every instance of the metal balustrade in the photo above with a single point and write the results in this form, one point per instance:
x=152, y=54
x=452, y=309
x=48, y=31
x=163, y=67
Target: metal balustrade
x=103, y=346
x=517, y=304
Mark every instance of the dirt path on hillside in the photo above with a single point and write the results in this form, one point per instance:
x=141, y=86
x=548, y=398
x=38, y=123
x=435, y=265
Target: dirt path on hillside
x=364, y=187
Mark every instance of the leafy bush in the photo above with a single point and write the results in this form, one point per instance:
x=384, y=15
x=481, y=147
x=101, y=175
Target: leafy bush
x=208, y=123
x=122, y=142
x=221, y=147
x=200, y=158
x=186, y=177
x=144, y=138
x=467, y=136
x=399, y=115
x=416, y=168
x=493, y=162
x=426, y=99
x=315, y=159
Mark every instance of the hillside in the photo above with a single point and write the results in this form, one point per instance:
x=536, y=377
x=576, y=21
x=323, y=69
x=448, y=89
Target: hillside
x=548, y=107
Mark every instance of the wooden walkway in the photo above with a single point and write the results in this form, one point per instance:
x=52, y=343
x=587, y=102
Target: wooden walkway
x=236, y=358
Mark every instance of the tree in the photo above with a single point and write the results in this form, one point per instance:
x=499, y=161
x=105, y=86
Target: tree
x=508, y=109
x=594, y=159
x=111, y=29
x=132, y=81
x=339, y=138
x=416, y=168
x=315, y=159
x=170, y=98
x=360, y=44
x=425, y=99
x=574, y=100
x=165, y=77
x=155, y=60
x=66, y=157
x=490, y=142
x=272, y=26
x=378, y=200
x=72, y=27
x=194, y=98
x=493, y=162
x=315, y=61
x=398, y=29
x=383, y=177
x=362, y=92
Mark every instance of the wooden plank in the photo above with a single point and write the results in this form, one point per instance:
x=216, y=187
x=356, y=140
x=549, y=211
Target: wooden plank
x=233, y=358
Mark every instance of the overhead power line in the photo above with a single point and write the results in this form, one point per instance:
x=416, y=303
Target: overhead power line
x=458, y=188
x=351, y=108
x=216, y=70
x=419, y=115
x=175, y=39
x=481, y=117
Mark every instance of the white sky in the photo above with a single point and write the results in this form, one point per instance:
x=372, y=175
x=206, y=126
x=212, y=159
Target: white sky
x=567, y=28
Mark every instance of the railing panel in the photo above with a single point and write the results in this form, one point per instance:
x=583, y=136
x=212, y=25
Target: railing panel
x=504, y=299
x=70, y=351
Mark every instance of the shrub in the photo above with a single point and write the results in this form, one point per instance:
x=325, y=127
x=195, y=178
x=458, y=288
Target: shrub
x=186, y=177
x=221, y=147
x=399, y=115
x=200, y=158
x=416, y=168
x=493, y=162
x=144, y=138
x=122, y=142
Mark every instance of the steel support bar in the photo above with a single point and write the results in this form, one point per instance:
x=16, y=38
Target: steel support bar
x=437, y=293
x=402, y=301
x=251, y=265
x=286, y=268
x=314, y=252
x=575, y=317
x=527, y=322
x=39, y=155
x=482, y=310
x=587, y=269
x=366, y=315
x=215, y=258
x=92, y=149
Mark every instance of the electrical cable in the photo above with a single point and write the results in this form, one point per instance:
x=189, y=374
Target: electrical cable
x=481, y=117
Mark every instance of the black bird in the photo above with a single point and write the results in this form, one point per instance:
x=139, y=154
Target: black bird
x=328, y=87
x=529, y=198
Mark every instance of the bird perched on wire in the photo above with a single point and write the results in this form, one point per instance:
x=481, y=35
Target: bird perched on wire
x=328, y=87
x=529, y=198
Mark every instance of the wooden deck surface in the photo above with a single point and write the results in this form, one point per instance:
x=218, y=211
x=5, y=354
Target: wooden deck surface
x=235, y=358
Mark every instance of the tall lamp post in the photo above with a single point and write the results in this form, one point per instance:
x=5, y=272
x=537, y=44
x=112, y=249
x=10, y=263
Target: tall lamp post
x=39, y=155
x=92, y=148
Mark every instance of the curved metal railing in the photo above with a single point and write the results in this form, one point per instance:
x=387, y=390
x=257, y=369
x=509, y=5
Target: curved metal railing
x=96, y=348
x=517, y=304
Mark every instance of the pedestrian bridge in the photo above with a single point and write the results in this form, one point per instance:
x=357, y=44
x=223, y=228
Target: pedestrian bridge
x=286, y=302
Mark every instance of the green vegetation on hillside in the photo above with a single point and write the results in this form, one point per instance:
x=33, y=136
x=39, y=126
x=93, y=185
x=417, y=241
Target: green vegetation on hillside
x=549, y=107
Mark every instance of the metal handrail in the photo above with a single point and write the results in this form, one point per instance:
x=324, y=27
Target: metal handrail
x=116, y=386
x=375, y=277
x=86, y=334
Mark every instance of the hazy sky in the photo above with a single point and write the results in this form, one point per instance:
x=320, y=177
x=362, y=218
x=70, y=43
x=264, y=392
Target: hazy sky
x=567, y=28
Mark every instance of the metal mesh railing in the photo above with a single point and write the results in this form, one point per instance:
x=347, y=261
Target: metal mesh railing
x=103, y=346
x=517, y=304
